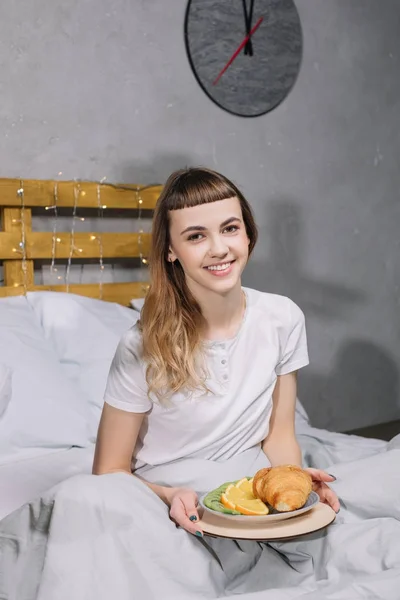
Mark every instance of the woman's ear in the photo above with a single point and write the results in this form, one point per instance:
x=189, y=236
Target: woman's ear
x=171, y=255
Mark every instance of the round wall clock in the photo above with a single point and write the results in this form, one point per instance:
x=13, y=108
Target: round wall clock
x=245, y=54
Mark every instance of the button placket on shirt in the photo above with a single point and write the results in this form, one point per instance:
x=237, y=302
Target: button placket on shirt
x=224, y=363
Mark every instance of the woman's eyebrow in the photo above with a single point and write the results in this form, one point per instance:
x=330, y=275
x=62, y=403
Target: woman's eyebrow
x=194, y=228
x=202, y=228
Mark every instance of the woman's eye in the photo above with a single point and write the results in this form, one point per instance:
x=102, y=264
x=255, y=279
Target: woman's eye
x=195, y=237
x=231, y=228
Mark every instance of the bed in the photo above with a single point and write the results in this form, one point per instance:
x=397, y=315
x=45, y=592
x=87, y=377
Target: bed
x=49, y=330
x=57, y=343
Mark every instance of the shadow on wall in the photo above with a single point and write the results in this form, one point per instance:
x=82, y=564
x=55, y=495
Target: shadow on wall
x=282, y=272
x=363, y=375
x=363, y=385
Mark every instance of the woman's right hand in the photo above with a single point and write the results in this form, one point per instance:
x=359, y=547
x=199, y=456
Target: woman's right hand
x=183, y=509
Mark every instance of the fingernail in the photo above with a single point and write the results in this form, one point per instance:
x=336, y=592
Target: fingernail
x=332, y=476
x=199, y=534
x=193, y=518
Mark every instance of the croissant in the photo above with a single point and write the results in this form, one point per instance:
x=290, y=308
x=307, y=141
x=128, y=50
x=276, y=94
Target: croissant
x=285, y=488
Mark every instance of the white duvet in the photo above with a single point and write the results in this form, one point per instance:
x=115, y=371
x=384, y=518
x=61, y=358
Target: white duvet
x=95, y=538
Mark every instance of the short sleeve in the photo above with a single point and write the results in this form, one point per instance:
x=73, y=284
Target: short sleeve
x=126, y=384
x=294, y=352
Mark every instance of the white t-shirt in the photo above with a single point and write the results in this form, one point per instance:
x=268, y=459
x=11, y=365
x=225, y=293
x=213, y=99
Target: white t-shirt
x=271, y=341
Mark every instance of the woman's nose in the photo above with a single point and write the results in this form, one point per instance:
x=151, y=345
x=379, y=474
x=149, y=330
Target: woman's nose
x=218, y=247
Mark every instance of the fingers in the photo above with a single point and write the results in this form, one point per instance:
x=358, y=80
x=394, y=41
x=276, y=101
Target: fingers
x=328, y=496
x=184, y=512
x=189, y=500
x=332, y=499
x=325, y=493
x=319, y=475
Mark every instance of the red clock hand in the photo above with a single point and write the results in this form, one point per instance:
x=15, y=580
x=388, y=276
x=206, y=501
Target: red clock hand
x=242, y=45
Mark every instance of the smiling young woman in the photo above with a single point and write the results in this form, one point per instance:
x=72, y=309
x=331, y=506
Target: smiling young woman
x=209, y=372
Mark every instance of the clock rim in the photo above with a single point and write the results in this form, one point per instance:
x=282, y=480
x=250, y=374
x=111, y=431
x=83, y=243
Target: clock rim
x=231, y=112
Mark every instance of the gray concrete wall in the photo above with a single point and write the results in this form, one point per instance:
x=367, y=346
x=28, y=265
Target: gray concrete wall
x=96, y=88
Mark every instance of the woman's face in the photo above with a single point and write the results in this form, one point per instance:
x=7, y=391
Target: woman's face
x=211, y=244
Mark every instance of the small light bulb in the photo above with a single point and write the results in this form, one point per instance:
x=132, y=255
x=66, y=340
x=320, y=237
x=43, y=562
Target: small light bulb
x=104, y=206
x=92, y=237
x=82, y=218
x=58, y=239
x=83, y=193
x=140, y=201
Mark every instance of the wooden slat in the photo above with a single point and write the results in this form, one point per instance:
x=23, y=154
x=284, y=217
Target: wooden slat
x=38, y=193
x=86, y=245
x=84, y=194
x=13, y=273
x=122, y=293
x=12, y=219
x=17, y=272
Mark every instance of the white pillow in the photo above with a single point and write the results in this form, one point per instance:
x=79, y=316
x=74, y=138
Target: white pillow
x=5, y=388
x=84, y=333
x=47, y=410
x=137, y=303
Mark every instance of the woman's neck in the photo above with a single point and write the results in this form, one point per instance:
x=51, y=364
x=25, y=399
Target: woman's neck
x=223, y=314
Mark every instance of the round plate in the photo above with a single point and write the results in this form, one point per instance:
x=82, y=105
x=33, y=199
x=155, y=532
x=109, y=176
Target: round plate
x=312, y=501
x=315, y=519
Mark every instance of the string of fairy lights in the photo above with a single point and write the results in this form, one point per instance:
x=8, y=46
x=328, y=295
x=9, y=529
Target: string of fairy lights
x=74, y=249
x=53, y=268
x=100, y=215
x=22, y=243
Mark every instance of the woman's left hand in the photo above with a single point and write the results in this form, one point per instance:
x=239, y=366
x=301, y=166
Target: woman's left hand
x=326, y=495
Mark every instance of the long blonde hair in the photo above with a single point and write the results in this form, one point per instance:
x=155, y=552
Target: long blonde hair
x=171, y=321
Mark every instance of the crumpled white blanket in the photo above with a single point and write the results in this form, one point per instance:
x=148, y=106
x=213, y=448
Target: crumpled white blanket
x=96, y=538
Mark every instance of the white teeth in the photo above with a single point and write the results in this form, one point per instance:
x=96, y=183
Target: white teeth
x=219, y=267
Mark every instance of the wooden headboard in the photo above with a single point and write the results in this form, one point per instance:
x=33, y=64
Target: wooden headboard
x=20, y=246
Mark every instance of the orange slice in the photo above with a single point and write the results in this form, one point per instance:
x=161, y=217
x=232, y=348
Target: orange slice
x=240, y=497
x=246, y=486
x=252, y=507
x=231, y=496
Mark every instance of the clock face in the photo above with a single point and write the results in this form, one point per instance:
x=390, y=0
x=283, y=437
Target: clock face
x=245, y=54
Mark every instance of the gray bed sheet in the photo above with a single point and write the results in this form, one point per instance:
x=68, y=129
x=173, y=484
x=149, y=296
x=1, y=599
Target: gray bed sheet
x=95, y=538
